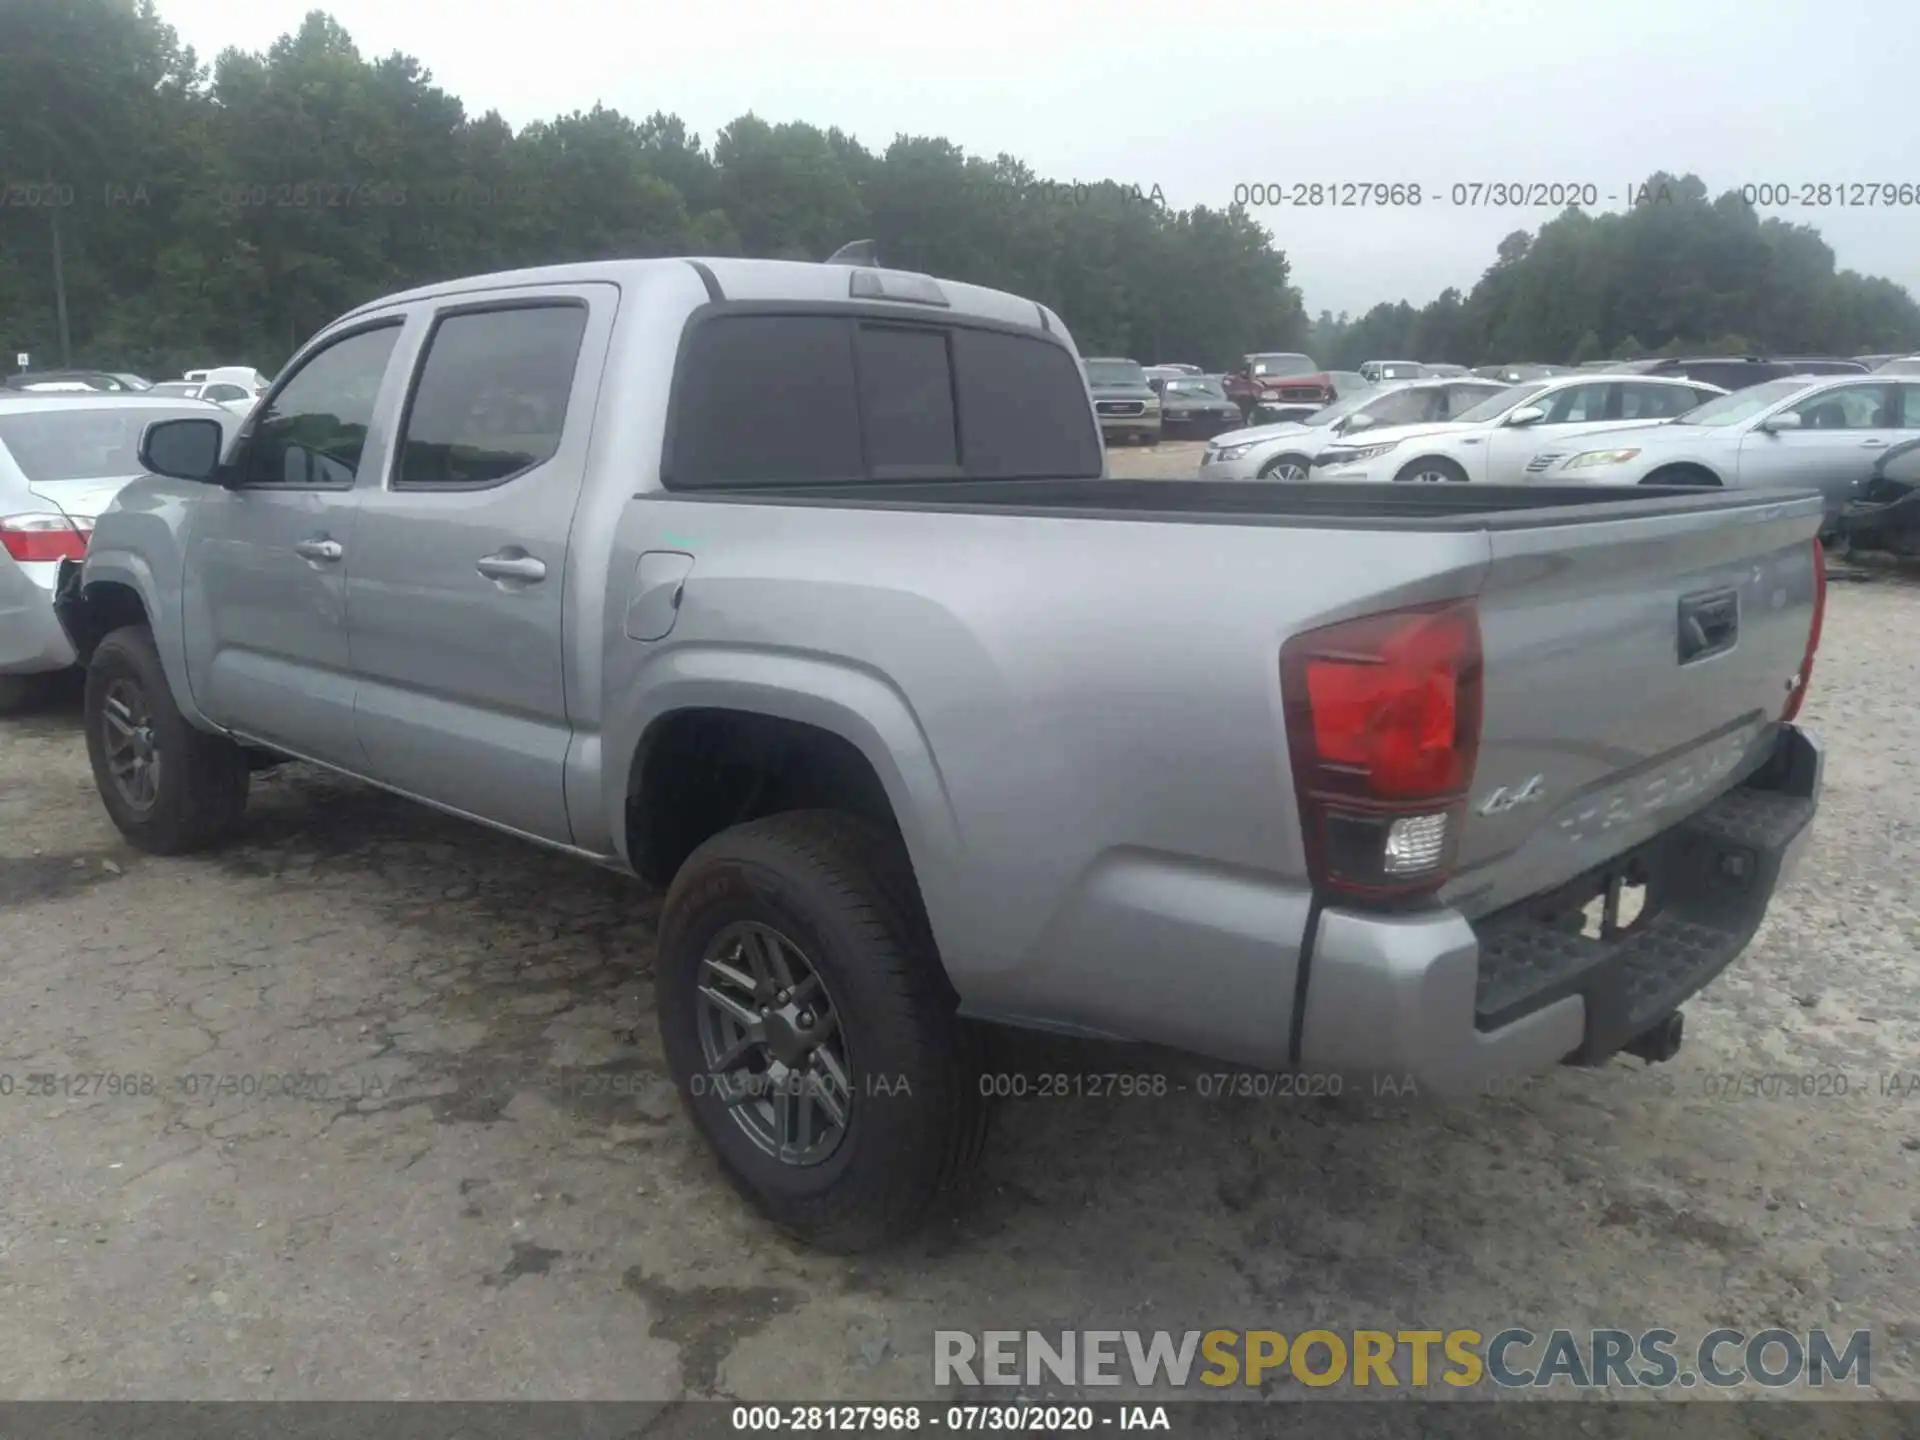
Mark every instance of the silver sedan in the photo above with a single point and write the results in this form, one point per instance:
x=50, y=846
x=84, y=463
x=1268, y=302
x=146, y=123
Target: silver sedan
x=1801, y=432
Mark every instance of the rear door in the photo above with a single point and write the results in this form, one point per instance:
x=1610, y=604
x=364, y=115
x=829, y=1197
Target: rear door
x=1608, y=711
x=457, y=585
x=265, y=579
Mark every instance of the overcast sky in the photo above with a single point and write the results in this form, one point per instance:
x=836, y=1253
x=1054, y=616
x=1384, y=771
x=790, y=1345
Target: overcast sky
x=1200, y=98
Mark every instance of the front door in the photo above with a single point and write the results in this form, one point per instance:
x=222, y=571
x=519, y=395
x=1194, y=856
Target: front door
x=457, y=589
x=265, y=586
x=1843, y=432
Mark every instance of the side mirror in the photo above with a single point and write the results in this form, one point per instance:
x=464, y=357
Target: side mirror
x=183, y=449
x=1359, y=420
x=1527, y=415
x=1785, y=420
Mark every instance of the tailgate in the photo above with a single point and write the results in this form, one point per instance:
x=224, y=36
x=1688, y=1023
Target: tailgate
x=1634, y=669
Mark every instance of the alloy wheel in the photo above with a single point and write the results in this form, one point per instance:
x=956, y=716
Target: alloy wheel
x=132, y=750
x=772, y=1045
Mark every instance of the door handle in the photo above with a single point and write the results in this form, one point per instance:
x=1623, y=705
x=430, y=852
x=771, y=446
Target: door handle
x=320, y=548
x=512, y=565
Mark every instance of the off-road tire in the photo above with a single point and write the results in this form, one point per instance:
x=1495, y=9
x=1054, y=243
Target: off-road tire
x=201, y=795
x=844, y=892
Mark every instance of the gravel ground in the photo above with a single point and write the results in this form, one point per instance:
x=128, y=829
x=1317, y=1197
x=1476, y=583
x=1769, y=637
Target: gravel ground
x=494, y=1194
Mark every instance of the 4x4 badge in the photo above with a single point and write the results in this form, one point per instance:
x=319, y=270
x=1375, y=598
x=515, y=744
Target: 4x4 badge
x=1505, y=799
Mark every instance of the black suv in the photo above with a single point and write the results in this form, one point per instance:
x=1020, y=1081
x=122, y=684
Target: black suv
x=1736, y=372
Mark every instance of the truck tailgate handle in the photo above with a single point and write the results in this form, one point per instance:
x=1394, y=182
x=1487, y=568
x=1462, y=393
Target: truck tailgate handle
x=1709, y=624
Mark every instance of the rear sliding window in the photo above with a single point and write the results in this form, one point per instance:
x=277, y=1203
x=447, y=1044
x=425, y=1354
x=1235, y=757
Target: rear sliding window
x=817, y=399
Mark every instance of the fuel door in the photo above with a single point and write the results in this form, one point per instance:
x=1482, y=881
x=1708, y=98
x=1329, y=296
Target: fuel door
x=653, y=602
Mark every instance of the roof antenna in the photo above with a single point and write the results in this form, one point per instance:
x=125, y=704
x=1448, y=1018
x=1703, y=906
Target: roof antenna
x=855, y=252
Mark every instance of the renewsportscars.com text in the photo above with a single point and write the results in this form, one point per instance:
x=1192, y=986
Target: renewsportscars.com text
x=1511, y=1358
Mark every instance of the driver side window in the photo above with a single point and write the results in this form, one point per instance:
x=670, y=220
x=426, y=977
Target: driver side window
x=310, y=436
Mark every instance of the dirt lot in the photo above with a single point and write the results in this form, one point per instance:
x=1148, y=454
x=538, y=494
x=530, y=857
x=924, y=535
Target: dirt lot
x=489, y=1191
x=1171, y=459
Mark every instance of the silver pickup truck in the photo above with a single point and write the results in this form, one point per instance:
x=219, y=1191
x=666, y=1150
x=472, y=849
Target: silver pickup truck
x=923, y=719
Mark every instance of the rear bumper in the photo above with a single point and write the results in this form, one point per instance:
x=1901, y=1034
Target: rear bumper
x=31, y=640
x=1456, y=1006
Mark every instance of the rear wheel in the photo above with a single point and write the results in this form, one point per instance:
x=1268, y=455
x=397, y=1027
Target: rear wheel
x=811, y=1030
x=167, y=786
x=1433, y=470
x=1286, y=467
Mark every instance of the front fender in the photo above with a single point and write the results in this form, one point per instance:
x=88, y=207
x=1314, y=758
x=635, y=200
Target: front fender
x=88, y=600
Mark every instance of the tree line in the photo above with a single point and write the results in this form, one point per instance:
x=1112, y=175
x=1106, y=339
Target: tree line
x=194, y=214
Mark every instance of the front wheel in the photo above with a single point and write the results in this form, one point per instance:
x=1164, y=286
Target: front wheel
x=811, y=1031
x=1286, y=467
x=1433, y=470
x=168, y=787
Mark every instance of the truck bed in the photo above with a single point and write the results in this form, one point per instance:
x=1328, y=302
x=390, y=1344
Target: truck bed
x=1346, y=507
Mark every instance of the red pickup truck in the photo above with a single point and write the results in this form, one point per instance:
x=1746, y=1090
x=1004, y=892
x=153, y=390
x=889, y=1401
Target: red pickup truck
x=1278, y=378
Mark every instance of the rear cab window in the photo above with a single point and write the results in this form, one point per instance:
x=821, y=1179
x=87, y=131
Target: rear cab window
x=851, y=394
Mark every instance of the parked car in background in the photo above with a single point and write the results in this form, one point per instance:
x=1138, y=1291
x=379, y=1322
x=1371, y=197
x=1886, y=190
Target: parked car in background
x=1516, y=373
x=1280, y=377
x=237, y=398
x=1345, y=383
x=70, y=382
x=1797, y=432
x=1874, y=362
x=1499, y=441
x=1176, y=365
x=1128, y=407
x=1445, y=372
x=133, y=382
x=1899, y=365
x=1196, y=405
x=243, y=375
x=1381, y=371
x=1737, y=372
x=1886, y=516
x=1285, y=451
x=920, y=720
x=63, y=457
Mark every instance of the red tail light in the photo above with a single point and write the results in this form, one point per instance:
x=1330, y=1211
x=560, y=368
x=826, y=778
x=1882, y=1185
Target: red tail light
x=38, y=538
x=1383, y=723
x=1805, y=677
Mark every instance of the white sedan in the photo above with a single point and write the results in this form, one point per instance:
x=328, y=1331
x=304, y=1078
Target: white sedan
x=63, y=458
x=1285, y=451
x=1498, y=440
